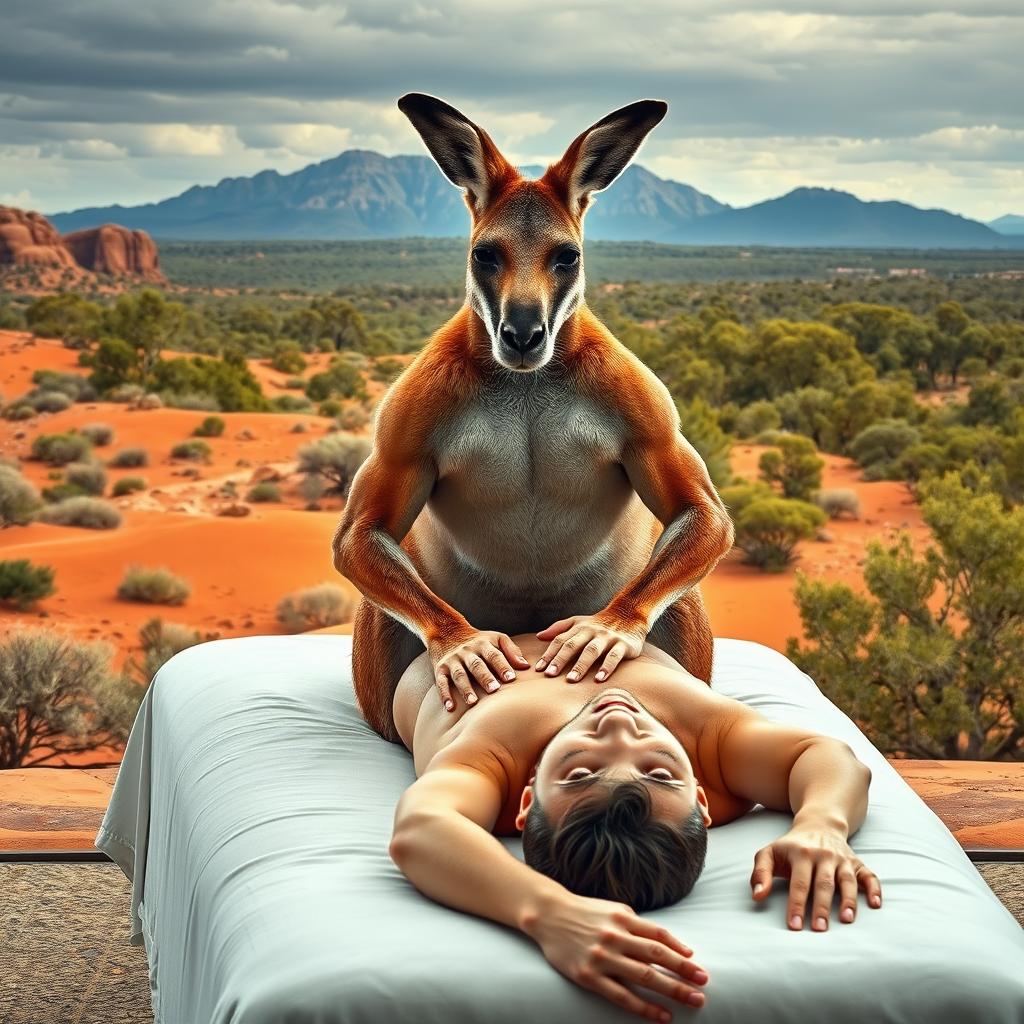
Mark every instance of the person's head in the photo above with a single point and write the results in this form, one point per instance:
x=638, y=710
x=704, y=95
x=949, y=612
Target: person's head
x=613, y=809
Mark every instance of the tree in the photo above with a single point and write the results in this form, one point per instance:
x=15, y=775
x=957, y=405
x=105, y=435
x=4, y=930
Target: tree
x=930, y=663
x=335, y=458
x=769, y=529
x=59, y=693
x=877, y=448
x=66, y=316
x=794, y=465
x=342, y=322
x=148, y=323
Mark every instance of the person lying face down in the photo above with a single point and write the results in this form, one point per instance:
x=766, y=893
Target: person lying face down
x=614, y=788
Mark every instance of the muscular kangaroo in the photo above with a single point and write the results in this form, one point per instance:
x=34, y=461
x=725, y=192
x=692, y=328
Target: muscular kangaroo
x=528, y=472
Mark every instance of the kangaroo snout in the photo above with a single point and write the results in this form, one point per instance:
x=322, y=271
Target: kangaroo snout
x=522, y=329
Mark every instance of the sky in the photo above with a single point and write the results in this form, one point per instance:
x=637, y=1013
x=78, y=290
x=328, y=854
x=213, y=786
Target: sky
x=132, y=101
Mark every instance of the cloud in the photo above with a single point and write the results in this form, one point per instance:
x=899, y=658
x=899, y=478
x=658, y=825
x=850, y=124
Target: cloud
x=203, y=89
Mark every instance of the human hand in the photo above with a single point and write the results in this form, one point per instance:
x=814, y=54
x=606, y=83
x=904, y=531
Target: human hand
x=600, y=945
x=477, y=656
x=813, y=857
x=589, y=637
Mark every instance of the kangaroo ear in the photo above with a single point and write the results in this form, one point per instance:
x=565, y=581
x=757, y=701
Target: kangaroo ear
x=596, y=157
x=465, y=153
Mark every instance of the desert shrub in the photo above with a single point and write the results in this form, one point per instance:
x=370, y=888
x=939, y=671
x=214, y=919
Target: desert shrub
x=300, y=428
x=60, y=449
x=756, y=418
x=386, y=369
x=130, y=393
x=265, y=491
x=61, y=492
x=150, y=400
x=99, y=434
x=329, y=408
x=130, y=458
x=22, y=583
x=89, y=513
x=76, y=387
x=228, y=382
x=795, y=466
x=195, y=451
x=341, y=379
x=152, y=586
x=878, y=448
x=66, y=685
x=194, y=400
x=48, y=401
x=335, y=458
x=739, y=495
x=159, y=642
x=315, y=608
x=19, y=410
x=288, y=358
x=19, y=500
x=768, y=530
x=291, y=403
x=295, y=384
x=128, y=485
x=355, y=417
x=836, y=501
x=89, y=477
x=212, y=426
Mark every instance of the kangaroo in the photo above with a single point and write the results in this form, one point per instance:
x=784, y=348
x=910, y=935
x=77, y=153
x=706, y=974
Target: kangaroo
x=528, y=473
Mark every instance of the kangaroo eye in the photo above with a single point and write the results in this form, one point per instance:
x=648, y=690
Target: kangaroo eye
x=567, y=258
x=485, y=255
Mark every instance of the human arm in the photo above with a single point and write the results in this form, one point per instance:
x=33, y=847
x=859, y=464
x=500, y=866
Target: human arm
x=443, y=844
x=673, y=482
x=825, y=786
x=386, y=495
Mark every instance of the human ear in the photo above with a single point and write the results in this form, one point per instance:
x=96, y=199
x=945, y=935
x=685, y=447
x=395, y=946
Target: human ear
x=525, y=802
x=702, y=802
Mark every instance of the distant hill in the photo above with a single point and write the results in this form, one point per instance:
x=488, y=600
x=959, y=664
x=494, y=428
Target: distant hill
x=1008, y=224
x=364, y=195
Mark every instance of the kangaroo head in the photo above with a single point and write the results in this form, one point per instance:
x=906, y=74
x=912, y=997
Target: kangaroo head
x=524, y=274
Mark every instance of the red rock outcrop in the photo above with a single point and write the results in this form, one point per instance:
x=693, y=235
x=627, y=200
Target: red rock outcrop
x=111, y=249
x=29, y=241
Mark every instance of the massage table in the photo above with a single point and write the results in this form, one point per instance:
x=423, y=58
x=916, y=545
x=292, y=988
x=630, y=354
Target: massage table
x=252, y=814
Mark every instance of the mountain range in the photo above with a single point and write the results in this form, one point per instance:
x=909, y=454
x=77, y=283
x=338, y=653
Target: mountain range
x=363, y=194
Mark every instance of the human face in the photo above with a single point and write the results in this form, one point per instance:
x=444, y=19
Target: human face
x=614, y=738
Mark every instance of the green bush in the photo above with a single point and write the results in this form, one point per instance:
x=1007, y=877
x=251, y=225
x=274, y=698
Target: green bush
x=265, y=491
x=341, y=380
x=795, y=466
x=768, y=530
x=48, y=401
x=153, y=586
x=60, y=449
x=212, y=426
x=76, y=387
x=739, y=495
x=288, y=358
x=878, y=448
x=89, y=477
x=195, y=451
x=19, y=410
x=19, y=499
x=194, y=400
x=316, y=608
x=128, y=485
x=89, y=513
x=756, y=418
x=130, y=393
x=291, y=403
x=61, y=492
x=99, y=434
x=355, y=417
x=329, y=408
x=335, y=458
x=834, y=502
x=159, y=642
x=22, y=583
x=130, y=458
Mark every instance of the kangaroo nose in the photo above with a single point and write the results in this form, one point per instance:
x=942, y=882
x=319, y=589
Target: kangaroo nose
x=522, y=333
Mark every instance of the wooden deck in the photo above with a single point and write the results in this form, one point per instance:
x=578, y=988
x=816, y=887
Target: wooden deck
x=981, y=802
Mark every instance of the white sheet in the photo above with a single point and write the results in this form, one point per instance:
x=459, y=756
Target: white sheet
x=253, y=811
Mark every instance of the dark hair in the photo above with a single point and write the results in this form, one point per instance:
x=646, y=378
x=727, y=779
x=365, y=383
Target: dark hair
x=608, y=847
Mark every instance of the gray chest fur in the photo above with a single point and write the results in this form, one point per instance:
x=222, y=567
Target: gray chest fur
x=529, y=485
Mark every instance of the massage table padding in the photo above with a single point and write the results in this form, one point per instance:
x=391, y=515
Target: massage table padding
x=252, y=813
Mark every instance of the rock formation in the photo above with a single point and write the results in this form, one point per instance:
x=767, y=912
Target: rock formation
x=28, y=242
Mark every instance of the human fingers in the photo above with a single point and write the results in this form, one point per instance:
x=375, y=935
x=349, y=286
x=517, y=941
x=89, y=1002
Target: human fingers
x=593, y=650
x=762, y=875
x=512, y=650
x=650, y=951
x=645, y=974
x=872, y=887
x=495, y=657
x=611, y=661
x=480, y=670
x=571, y=642
x=463, y=683
x=824, y=890
x=443, y=689
x=648, y=929
x=556, y=627
x=801, y=869
x=847, y=892
x=617, y=993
